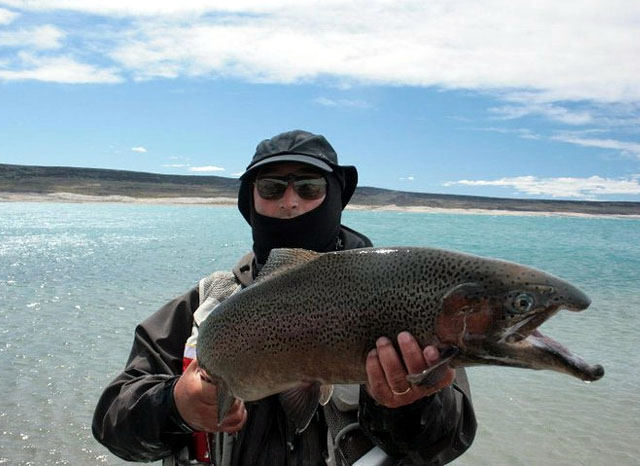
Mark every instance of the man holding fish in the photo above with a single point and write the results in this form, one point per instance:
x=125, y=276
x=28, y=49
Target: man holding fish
x=165, y=406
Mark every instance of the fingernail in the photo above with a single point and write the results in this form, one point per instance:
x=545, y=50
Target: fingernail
x=373, y=354
x=430, y=353
x=404, y=337
x=383, y=341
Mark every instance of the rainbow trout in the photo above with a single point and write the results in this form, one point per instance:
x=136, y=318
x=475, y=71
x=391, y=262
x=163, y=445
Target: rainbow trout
x=310, y=319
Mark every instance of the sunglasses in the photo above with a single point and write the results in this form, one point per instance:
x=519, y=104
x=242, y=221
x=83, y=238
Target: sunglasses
x=272, y=187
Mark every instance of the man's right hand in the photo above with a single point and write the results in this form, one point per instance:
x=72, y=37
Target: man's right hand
x=196, y=401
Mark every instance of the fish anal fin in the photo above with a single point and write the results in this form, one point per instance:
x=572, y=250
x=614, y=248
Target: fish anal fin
x=282, y=259
x=300, y=403
x=434, y=374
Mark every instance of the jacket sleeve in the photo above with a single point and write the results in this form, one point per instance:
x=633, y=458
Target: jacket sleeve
x=431, y=431
x=136, y=418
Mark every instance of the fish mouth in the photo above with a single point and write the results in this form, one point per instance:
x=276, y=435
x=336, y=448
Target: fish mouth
x=571, y=363
x=523, y=345
x=538, y=351
x=526, y=327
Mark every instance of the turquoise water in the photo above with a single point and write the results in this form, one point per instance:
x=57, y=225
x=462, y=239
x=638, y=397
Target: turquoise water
x=76, y=278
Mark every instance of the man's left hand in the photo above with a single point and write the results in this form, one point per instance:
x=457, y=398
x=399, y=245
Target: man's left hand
x=387, y=371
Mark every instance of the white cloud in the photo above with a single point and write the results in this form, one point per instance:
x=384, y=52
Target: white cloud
x=7, y=16
x=175, y=165
x=149, y=7
x=552, y=112
x=62, y=69
x=631, y=149
x=139, y=149
x=41, y=37
x=523, y=133
x=553, y=48
x=327, y=102
x=583, y=188
x=208, y=168
x=455, y=44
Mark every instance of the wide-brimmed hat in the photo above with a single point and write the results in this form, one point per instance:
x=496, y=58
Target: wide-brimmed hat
x=303, y=147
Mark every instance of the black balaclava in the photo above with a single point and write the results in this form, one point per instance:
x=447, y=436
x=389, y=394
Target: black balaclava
x=316, y=230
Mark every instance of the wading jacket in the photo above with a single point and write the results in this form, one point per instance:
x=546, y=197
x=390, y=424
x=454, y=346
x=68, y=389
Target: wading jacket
x=137, y=420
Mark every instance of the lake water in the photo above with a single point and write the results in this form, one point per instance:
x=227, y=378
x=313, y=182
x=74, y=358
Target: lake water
x=75, y=279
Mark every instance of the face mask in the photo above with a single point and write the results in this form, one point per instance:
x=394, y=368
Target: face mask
x=316, y=230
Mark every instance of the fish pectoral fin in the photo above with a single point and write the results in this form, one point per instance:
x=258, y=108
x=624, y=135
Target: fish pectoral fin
x=300, y=403
x=225, y=399
x=432, y=375
x=283, y=259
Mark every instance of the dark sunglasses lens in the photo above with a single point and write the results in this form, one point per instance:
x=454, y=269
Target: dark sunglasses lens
x=306, y=188
x=271, y=189
x=313, y=188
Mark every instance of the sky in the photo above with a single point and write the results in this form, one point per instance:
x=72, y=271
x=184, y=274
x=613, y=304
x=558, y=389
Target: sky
x=503, y=98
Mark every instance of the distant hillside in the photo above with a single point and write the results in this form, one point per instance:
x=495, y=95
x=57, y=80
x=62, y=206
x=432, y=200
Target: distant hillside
x=376, y=196
x=101, y=182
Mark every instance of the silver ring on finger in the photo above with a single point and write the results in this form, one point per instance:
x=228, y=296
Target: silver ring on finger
x=402, y=392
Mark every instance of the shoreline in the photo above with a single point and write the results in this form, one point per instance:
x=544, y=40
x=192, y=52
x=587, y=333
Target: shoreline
x=72, y=198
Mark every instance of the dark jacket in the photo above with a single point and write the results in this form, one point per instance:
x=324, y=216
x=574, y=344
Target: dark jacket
x=137, y=420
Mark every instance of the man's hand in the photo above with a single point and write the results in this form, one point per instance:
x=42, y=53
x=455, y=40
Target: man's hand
x=387, y=371
x=196, y=400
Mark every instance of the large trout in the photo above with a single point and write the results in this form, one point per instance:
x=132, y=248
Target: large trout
x=310, y=320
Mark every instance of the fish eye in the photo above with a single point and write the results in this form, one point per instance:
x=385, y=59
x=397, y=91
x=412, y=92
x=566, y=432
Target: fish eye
x=522, y=303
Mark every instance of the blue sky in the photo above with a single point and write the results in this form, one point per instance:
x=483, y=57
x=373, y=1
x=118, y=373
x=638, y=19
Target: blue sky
x=492, y=98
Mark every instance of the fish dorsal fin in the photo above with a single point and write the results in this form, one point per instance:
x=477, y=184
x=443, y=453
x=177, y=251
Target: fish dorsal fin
x=300, y=403
x=282, y=259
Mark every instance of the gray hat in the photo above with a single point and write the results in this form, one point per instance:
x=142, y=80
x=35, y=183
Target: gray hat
x=304, y=147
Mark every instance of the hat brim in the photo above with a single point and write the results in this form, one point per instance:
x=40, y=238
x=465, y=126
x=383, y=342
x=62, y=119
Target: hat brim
x=289, y=158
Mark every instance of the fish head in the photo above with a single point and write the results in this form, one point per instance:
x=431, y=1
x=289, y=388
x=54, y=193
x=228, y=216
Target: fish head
x=494, y=317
